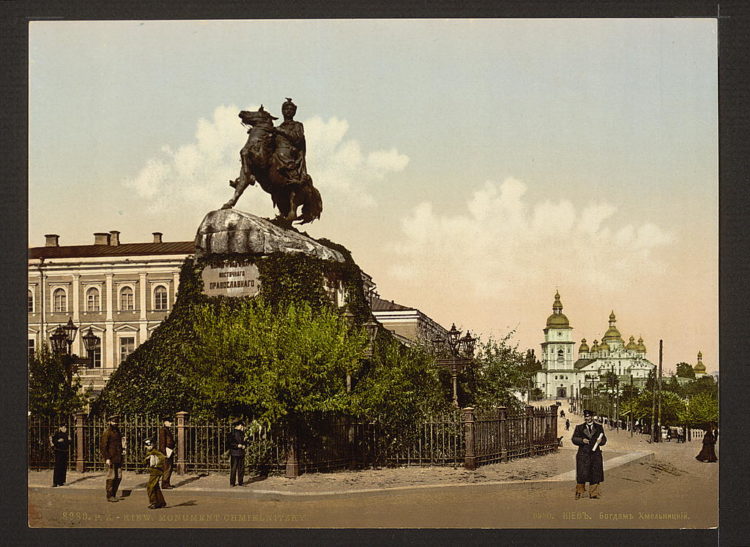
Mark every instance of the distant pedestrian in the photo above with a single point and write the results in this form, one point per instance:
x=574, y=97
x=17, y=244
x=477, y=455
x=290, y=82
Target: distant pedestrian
x=567, y=424
x=236, y=444
x=155, y=463
x=708, y=453
x=111, y=446
x=166, y=447
x=562, y=413
x=60, y=442
x=589, y=437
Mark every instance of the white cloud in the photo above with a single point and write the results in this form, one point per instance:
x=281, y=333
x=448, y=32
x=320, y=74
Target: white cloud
x=195, y=175
x=501, y=241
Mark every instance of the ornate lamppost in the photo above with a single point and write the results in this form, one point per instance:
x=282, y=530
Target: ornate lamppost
x=62, y=339
x=461, y=355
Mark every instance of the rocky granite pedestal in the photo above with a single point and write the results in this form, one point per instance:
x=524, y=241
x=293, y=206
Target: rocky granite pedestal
x=230, y=231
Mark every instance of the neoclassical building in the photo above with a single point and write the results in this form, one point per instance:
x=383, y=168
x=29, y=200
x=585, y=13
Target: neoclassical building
x=563, y=376
x=121, y=290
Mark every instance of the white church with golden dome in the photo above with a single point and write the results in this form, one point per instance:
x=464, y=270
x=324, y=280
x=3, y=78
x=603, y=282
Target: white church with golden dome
x=563, y=376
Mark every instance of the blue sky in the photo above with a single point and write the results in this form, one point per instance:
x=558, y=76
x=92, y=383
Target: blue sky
x=472, y=166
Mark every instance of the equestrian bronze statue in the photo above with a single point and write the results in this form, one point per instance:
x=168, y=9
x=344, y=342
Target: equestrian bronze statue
x=275, y=158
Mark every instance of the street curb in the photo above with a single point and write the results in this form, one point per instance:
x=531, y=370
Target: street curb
x=619, y=461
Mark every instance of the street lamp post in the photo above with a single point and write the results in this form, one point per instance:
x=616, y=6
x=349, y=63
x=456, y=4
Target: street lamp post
x=461, y=355
x=62, y=340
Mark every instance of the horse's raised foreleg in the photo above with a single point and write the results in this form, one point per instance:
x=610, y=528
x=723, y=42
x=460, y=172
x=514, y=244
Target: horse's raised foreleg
x=239, y=187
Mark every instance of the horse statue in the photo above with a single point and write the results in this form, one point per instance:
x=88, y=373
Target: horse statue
x=289, y=188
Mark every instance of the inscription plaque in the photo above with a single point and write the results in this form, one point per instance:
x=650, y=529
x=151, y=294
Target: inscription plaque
x=231, y=279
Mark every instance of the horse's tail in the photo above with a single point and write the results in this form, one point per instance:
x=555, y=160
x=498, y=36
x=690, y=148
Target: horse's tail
x=312, y=205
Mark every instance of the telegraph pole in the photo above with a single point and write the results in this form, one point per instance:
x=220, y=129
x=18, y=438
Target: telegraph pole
x=653, y=410
x=660, y=361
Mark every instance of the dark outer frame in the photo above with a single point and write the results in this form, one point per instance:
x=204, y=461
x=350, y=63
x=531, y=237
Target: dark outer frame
x=734, y=201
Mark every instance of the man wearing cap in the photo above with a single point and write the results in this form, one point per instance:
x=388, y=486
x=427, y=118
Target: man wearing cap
x=110, y=446
x=589, y=437
x=236, y=444
x=166, y=447
x=155, y=463
x=290, y=144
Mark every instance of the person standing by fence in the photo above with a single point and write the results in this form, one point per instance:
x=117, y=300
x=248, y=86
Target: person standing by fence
x=589, y=437
x=236, y=444
x=155, y=461
x=110, y=446
x=166, y=447
x=60, y=443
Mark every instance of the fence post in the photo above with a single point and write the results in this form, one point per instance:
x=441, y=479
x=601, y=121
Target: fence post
x=181, y=419
x=553, y=427
x=470, y=461
x=80, y=442
x=530, y=430
x=502, y=415
x=292, y=458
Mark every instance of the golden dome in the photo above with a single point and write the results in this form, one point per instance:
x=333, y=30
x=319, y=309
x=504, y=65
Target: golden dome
x=557, y=319
x=603, y=346
x=632, y=345
x=584, y=346
x=699, y=366
x=612, y=333
x=595, y=346
x=640, y=346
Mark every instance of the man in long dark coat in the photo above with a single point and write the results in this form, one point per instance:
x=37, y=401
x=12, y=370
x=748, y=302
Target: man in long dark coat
x=236, y=444
x=110, y=445
x=166, y=447
x=589, y=437
x=60, y=442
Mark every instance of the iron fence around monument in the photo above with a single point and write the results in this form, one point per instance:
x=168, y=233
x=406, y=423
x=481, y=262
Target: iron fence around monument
x=335, y=442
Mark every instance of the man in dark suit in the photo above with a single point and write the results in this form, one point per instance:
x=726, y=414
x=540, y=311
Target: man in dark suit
x=589, y=437
x=236, y=444
x=60, y=442
x=111, y=447
x=166, y=447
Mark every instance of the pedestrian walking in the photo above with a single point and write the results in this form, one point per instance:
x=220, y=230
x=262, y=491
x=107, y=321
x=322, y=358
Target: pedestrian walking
x=236, y=444
x=111, y=446
x=155, y=463
x=708, y=453
x=60, y=443
x=166, y=447
x=562, y=413
x=567, y=424
x=589, y=437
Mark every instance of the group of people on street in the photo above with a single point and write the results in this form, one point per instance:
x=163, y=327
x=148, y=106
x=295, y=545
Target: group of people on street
x=158, y=461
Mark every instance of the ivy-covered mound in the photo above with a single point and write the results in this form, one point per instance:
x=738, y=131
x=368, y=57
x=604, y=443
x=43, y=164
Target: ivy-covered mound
x=281, y=358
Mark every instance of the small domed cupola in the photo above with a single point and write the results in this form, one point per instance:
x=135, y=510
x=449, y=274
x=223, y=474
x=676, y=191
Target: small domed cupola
x=640, y=347
x=612, y=334
x=604, y=346
x=557, y=320
x=595, y=346
x=699, y=367
x=631, y=346
x=584, y=347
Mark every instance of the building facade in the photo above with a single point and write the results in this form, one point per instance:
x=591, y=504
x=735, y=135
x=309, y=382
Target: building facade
x=409, y=325
x=562, y=376
x=121, y=290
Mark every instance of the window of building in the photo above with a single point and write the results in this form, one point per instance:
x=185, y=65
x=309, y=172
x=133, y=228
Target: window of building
x=59, y=301
x=32, y=347
x=97, y=355
x=31, y=301
x=127, y=299
x=160, y=298
x=92, y=300
x=127, y=346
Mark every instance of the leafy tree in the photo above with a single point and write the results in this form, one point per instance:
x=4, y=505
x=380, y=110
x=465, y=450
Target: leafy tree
x=684, y=370
x=700, y=410
x=278, y=366
x=50, y=392
x=673, y=385
x=628, y=392
x=705, y=384
x=501, y=369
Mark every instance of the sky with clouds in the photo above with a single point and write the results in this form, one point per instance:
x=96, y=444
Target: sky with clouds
x=473, y=167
